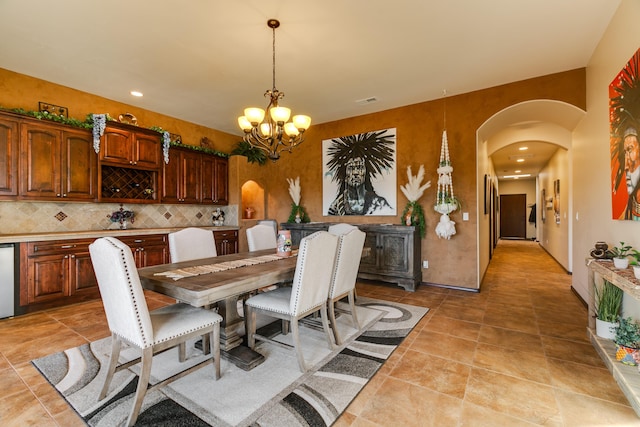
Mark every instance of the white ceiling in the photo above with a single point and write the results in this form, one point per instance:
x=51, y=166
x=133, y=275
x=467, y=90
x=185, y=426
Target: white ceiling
x=203, y=61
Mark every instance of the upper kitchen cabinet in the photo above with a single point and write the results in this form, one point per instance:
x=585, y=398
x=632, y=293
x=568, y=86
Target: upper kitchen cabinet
x=215, y=180
x=181, y=178
x=130, y=164
x=9, y=140
x=130, y=146
x=56, y=162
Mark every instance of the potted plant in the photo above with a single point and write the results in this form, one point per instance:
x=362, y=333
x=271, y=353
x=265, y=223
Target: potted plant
x=608, y=302
x=620, y=256
x=635, y=263
x=627, y=339
x=446, y=204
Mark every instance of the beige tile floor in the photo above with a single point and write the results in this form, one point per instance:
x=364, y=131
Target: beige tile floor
x=515, y=354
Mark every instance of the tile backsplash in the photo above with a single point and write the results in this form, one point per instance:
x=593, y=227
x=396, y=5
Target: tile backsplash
x=45, y=217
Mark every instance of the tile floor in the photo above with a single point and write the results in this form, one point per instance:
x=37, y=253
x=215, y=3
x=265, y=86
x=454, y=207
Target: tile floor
x=515, y=354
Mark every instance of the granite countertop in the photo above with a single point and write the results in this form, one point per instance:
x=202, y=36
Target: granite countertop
x=33, y=237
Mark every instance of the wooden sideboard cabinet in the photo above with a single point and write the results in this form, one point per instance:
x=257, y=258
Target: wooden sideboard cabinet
x=391, y=253
x=226, y=241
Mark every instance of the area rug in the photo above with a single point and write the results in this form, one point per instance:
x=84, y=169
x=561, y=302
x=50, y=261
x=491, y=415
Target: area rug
x=275, y=393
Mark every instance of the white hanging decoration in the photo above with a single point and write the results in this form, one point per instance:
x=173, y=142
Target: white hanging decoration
x=445, y=199
x=99, y=124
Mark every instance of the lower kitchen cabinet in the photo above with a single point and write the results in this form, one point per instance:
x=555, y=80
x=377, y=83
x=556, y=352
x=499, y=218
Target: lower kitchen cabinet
x=59, y=272
x=55, y=273
x=226, y=242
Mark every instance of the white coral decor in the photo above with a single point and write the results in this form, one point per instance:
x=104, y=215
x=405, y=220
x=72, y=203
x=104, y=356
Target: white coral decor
x=412, y=189
x=294, y=190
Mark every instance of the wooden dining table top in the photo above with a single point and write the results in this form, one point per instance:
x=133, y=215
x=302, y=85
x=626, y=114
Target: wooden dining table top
x=205, y=289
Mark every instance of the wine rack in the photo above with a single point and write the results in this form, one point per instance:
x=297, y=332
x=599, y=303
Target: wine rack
x=128, y=184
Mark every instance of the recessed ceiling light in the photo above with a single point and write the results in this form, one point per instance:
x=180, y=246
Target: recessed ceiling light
x=518, y=171
x=523, y=148
x=520, y=160
x=517, y=176
x=136, y=93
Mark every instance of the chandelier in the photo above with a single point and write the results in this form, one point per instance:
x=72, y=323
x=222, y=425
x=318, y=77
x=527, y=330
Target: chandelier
x=272, y=132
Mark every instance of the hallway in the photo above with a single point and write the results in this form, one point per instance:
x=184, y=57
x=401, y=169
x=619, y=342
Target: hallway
x=515, y=354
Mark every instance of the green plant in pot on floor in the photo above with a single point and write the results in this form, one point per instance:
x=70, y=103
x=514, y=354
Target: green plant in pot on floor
x=627, y=341
x=620, y=256
x=608, y=302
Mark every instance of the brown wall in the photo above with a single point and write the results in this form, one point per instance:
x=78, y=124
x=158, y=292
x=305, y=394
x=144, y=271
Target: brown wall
x=21, y=91
x=419, y=129
x=419, y=132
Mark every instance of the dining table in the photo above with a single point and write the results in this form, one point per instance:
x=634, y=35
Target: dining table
x=219, y=282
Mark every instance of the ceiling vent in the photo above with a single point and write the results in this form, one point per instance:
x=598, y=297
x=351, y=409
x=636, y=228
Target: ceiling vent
x=366, y=101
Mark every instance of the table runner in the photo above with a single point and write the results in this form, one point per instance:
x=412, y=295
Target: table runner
x=181, y=273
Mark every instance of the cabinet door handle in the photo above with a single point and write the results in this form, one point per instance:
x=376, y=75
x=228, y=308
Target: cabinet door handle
x=138, y=241
x=64, y=195
x=57, y=194
x=73, y=257
x=67, y=246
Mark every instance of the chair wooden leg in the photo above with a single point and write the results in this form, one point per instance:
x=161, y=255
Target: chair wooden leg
x=352, y=304
x=215, y=348
x=182, y=352
x=113, y=362
x=325, y=325
x=143, y=382
x=296, y=343
x=332, y=321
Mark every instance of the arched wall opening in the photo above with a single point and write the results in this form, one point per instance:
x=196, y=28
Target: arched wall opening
x=541, y=120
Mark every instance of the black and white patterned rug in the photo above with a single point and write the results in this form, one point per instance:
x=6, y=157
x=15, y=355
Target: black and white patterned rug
x=275, y=393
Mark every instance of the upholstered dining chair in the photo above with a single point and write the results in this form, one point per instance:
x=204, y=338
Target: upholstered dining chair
x=261, y=236
x=308, y=293
x=341, y=228
x=191, y=243
x=131, y=322
x=343, y=279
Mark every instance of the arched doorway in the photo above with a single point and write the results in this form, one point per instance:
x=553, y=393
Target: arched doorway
x=545, y=121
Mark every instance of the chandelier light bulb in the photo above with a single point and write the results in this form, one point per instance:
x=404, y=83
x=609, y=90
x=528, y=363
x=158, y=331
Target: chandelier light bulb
x=265, y=129
x=244, y=124
x=291, y=130
x=280, y=114
x=254, y=115
x=301, y=122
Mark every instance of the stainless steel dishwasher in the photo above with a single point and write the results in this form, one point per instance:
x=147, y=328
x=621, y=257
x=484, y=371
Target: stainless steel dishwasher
x=7, y=279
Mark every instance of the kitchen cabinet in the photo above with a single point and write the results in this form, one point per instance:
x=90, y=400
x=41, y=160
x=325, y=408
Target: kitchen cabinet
x=152, y=249
x=226, y=241
x=391, y=253
x=56, y=163
x=9, y=143
x=215, y=180
x=60, y=272
x=131, y=146
x=181, y=177
x=55, y=273
x=130, y=164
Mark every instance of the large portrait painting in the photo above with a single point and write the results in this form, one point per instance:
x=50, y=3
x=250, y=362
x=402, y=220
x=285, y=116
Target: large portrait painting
x=359, y=174
x=624, y=119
